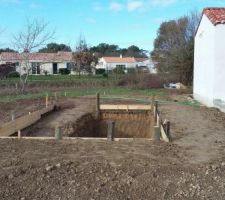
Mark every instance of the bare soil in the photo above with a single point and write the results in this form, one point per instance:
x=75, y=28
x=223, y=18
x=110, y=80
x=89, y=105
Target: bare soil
x=192, y=166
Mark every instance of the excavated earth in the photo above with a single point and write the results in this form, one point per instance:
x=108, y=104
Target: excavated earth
x=192, y=166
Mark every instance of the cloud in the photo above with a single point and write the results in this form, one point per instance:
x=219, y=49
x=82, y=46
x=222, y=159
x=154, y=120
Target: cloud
x=116, y=7
x=134, y=5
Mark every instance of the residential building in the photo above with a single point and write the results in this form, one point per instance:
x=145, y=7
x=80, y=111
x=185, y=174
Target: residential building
x=209, y=63
x=110, y=63
x=38, y=63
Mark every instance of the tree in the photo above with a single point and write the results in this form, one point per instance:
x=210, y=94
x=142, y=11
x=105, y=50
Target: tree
x=54, y=48
x=34, y=35
x=104, y=49
x=7, y=50
x=83, y=58
x=174, y=47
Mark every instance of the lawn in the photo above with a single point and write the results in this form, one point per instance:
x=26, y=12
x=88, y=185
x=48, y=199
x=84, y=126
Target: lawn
x=104, y=92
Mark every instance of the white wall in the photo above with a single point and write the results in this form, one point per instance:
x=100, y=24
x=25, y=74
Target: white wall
x=219, y=82
x=204, y=63
x=43, y=66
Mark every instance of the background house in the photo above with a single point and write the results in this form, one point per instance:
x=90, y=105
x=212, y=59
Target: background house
x=209, y=64
x=39, y=63
x=110, y=63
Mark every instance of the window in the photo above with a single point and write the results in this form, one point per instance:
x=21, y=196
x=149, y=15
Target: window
x=38, y=68
x=34, y=70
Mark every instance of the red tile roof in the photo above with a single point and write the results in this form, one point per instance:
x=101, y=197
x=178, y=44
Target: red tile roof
x=41, y=57
x=119, y=59
x=215, y=15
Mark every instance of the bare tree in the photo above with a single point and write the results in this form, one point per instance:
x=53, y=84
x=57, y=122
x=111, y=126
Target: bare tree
x=83, y=58
x=33, y=36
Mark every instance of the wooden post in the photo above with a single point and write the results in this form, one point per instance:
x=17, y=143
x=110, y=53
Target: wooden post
x=65, y=94
x=19, y=134
x=13, y=115
x=111, y=131
x=58, y=133
x=156, y=110
x=46, y=100
x=156, y=133
x=167, y=128
x=152, y=102
x=158, y=120
x=97, y=105
x=55, y=94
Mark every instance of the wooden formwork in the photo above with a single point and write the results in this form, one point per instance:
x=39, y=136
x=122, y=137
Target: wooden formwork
x=23, y=122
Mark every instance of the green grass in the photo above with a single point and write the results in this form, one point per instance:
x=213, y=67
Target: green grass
x=105, y=92
x=32, y=78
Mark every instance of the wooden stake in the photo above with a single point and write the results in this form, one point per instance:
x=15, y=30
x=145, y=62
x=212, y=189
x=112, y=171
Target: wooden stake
x=55, y=94
x=65, y=94
x=97, y=105
x=58, y=133
x=19, y=134
x=158, y=120
x=13, y=115
x=156, y=110
x=153, y=102
x=111, y=131
x=167, y=128
x=157, y=133
x=46, y=100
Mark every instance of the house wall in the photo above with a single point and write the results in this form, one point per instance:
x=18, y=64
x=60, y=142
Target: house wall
x=219, y=81
x=44, y=67
x=102, y=64
x=204, y=62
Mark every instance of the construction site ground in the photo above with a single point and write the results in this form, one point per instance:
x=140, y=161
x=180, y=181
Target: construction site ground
x=192, y=166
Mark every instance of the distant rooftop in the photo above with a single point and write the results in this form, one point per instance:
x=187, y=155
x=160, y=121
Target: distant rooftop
x=124, y=59
x=215, y=15
x=41, y=57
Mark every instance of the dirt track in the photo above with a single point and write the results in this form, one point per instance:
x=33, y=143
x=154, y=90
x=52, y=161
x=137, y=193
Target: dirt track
x=191, y=167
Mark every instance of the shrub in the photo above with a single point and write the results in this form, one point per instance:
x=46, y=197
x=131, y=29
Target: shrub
x=131, y=70
x=64, y=71
x=13, y=74
x=105, y=75
x=119, y=70
x=141, y=81
x=100, y=71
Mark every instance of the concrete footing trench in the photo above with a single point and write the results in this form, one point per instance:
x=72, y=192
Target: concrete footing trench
x=78, y=120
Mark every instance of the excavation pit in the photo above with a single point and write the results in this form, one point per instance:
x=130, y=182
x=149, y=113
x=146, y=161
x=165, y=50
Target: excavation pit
x=128, y=124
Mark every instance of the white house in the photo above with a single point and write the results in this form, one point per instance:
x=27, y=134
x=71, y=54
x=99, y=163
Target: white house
x=209, y=63
x=110, y=63
x=38, y=63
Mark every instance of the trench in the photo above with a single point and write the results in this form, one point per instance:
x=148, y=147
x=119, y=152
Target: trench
x=135, y=124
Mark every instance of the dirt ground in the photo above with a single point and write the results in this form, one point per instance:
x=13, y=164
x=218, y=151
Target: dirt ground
x=192, y=166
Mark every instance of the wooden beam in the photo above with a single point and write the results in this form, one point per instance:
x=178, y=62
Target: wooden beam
x=23, y=122
x=78, y=138
x=124, y=107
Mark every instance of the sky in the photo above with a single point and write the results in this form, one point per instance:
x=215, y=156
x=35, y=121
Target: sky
x=121, y=22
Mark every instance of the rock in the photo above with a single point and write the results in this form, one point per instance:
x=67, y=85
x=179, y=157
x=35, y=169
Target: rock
x=10, y=176
x=50, y=168
x=58, y=165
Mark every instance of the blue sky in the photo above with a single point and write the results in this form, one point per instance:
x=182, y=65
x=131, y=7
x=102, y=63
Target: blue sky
x=122, y=22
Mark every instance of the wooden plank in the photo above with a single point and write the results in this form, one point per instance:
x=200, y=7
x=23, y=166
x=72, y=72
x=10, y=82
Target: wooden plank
x=23, y=122
x=19, y=124
x=124, y=107
x=79, y=138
